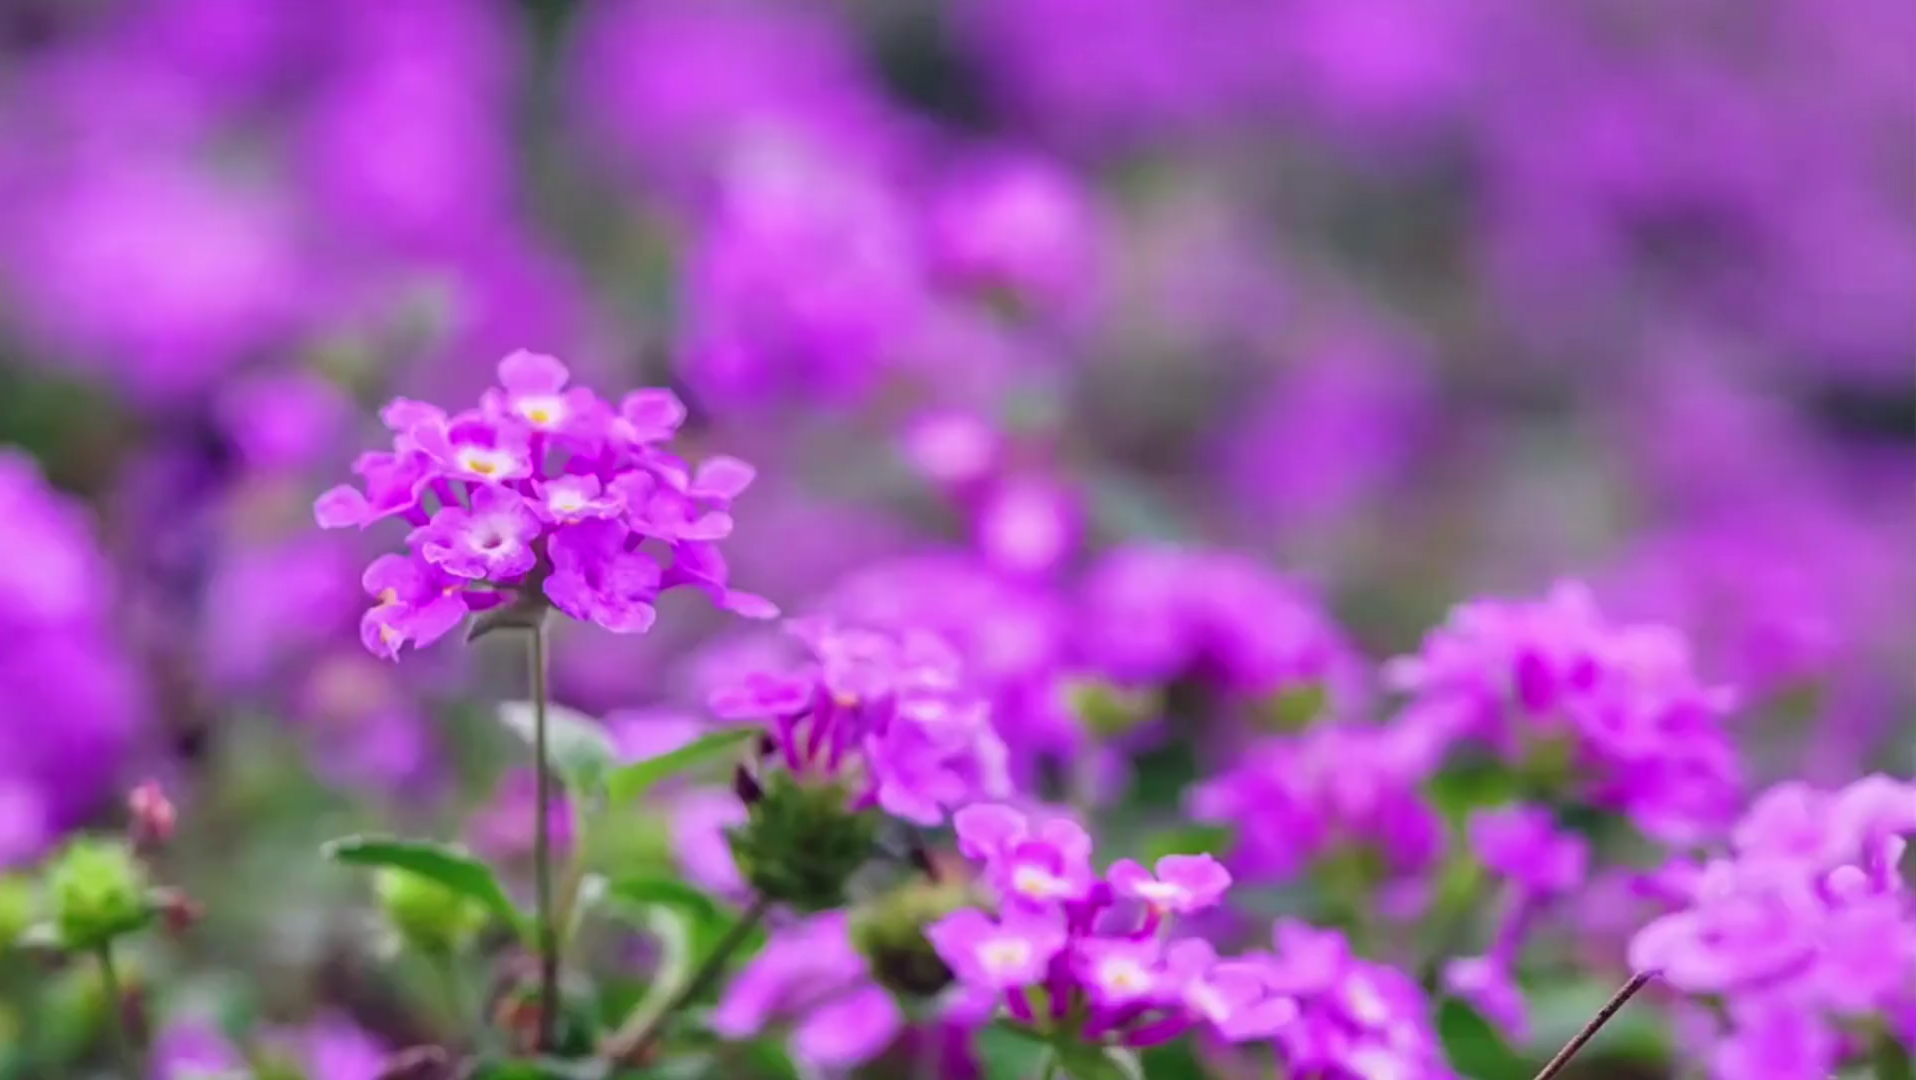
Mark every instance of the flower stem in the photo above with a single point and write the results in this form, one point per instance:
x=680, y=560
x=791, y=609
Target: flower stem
x=635, y=1037
x=548, y=943
x=1050, y=1067
x=123, y=1052
x=1582, y=1038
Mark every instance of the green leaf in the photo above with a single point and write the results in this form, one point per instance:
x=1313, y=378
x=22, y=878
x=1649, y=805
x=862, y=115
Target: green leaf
x=1558, y=1010
x=1008, y=1053
x=446, y=864
x=580, y=751
x=629, y=783
x=1474, y=1047
x=1891, y=1059
x=1081, y=1062
x=667, y=893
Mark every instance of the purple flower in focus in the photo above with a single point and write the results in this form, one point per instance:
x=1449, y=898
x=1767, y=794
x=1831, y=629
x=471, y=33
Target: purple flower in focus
x=418, y=603
x=545, y=487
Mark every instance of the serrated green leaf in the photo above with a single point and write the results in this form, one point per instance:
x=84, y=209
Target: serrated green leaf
x=1474, y=1047
x=1080, y=1062
x=579, y=749
x=629, y=783
x=447, y=864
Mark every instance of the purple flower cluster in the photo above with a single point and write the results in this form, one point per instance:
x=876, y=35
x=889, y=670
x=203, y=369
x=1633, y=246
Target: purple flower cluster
x=1805, y=930
x=1338, y=789
x=887, y=716
x=1551, y=684
x=545, y=489
x=1073, y=947
x=1077, y=954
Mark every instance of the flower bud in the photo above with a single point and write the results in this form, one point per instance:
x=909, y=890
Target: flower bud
x=891, y=934
x=152, y=816
x=98, y=892
x=802, y=843
x=1108, y=711
x=18, y=907
x=427, y=916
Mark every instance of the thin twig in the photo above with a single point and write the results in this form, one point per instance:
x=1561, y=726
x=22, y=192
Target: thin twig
x=1582, y=1038
x=542, y=844
x=635, y=1037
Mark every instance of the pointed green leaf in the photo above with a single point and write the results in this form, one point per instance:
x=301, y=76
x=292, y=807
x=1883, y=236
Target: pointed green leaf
x=578, y=747
x=629, y=783
x=447, y=864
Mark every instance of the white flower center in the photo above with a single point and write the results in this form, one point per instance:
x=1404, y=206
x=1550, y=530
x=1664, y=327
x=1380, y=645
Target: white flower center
x=1004, y=954
x=1037, y=883
x=543, y=411
x=1123, y=975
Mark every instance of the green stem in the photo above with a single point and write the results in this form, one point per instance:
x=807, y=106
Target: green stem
x=1051, y=1066
x=542, y=845
x=123, y=1051
x=629, y=1044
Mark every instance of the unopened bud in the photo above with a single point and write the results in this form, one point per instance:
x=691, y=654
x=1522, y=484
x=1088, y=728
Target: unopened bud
x=153, y=817
x=802, y=843
x=1108, y=711
x=891, y=934
x=178, y=911
x=98, y=892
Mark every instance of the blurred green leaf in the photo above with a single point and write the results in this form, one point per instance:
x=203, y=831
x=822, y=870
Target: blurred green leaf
x=1008, y=1053
x=1173, y=1061
x=1891, y=1059
x=668, y=893
x=581, y=753
x=448, y=865
x=1558, y=1010
x=1474, y=1047
x=1189, y=840
x=629, y=783
x=1081, y=1062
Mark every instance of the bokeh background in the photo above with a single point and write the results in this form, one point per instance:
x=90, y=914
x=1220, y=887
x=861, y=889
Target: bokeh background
x=1404, y=300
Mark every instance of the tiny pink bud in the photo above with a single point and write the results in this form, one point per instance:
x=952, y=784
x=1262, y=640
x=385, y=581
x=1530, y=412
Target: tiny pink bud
x=153, y=815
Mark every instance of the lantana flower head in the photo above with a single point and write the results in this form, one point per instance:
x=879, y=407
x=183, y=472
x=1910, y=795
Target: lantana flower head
x=1808, y=915
x=1622, y=704
x=887, y=716
x=544, y=493
x=1098, y=947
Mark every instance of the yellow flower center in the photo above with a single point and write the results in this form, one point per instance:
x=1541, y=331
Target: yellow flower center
x=1005, y=954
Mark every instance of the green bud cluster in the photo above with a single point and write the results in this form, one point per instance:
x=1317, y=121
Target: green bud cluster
x=802, y=844
x=890, y=932
x=97, y=891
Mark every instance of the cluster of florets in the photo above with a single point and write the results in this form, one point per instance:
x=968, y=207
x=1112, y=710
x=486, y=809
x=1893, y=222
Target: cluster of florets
x=544, y=492
x=888, y=717
x=1349, y=790
x=1805, y=931
x=874, y=721
x=1616, y=711
x=1073, y=947
x=1079, y=955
